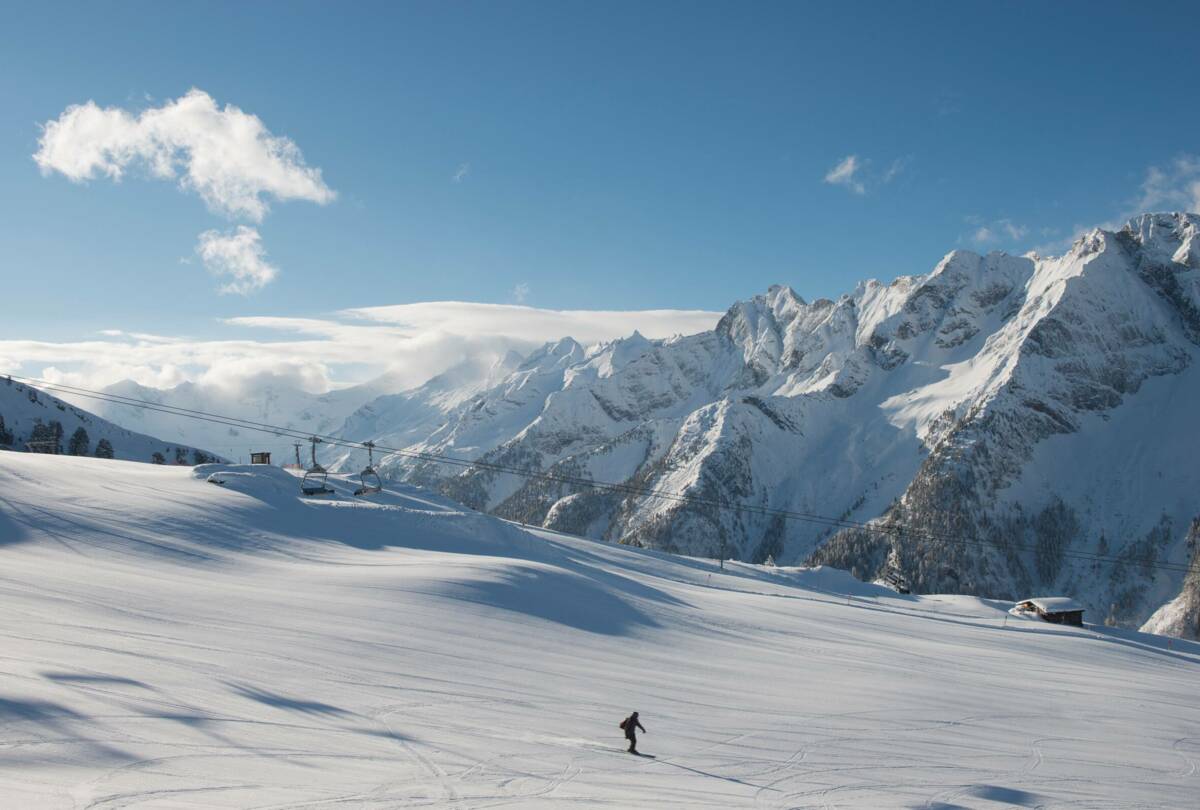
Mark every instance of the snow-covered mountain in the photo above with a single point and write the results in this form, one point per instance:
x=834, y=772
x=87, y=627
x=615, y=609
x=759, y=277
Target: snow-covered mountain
x=268, y=401
x=284, y=403
x=1181, y=616
x=997, y=401
x=1072, y=429
x=35, y=421
x=397, y=420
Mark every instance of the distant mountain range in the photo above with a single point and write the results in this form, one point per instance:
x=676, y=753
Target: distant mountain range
x=269, y=401
x=1001, y=413
x=32, y=420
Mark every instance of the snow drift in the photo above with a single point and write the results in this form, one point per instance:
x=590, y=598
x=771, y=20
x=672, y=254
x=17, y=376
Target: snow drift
x=171, y=642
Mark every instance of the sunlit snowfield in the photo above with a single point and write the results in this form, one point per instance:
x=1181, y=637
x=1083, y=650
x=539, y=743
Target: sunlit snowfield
x=170, y=643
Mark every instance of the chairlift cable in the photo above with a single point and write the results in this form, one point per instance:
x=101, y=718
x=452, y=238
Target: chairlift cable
x=887, y=529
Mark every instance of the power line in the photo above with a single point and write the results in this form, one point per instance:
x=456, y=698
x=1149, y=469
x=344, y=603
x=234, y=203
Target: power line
x=578, y=481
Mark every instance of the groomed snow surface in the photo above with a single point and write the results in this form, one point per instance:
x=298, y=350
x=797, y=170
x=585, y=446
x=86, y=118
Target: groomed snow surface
x=171, y=643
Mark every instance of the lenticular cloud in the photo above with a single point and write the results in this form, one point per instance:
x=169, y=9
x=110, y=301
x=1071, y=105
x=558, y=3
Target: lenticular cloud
x=225, y=155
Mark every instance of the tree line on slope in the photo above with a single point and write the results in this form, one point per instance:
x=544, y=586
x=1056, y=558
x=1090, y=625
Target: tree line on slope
x=47, y=438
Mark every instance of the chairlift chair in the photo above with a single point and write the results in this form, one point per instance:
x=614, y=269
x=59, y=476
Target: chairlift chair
x=315, y=481
x=371, y=482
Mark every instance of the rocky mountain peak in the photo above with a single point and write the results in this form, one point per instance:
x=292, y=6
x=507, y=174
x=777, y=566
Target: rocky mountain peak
x=947, y=402
x=554, y=353
x=1167, y=236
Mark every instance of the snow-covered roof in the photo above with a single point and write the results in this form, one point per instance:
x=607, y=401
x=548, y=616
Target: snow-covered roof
x=1053, y=604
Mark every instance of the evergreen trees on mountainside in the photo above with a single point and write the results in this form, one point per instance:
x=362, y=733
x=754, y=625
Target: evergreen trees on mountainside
x=79, y=442
x=34, y=421
x=46, y=438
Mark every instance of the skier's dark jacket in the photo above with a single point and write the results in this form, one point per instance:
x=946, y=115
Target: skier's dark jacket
x=632, y=722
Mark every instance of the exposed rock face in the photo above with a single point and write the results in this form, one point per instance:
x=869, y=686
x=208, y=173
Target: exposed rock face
x=1004, y=414
x=1181, y=616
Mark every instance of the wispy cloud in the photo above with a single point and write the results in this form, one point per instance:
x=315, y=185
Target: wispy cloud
x=461, y=173
x=535, y=324
x=520, y=292
x=1175, y=186
x=847, y=174
x=897, y=167
x=1013, y=230
x=994, y=231
x=238, y=254
x=947, y=102
x=857, y=175
x=983, y=235
x=225, y=155
x=411, y=342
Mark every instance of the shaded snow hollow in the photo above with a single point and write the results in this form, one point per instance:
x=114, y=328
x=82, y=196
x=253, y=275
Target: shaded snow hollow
x=172, y=643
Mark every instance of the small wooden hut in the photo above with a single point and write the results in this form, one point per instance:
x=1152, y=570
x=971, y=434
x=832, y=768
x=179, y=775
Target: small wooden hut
x=1056, y=609
x=260, y=458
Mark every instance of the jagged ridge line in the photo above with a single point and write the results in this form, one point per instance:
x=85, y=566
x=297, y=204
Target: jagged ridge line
x=820, y=520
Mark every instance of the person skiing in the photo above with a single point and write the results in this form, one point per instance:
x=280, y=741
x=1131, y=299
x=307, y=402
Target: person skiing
x=629, y=724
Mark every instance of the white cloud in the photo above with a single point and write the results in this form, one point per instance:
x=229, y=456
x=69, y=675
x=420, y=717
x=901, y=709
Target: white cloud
x=461, y=172
x=847, y=173
x=896, y=168
x=998, y=230
x=240, y=254
x=536, y=325
x=410, y=343
x=983, y=235
x=164, y=376
x=1175, y=187
x=520, y=292
x=855, y=174
x=1012, y=230
x=225, y=155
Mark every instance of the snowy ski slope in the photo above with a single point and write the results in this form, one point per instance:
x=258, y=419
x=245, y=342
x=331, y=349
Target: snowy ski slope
x=170, y=643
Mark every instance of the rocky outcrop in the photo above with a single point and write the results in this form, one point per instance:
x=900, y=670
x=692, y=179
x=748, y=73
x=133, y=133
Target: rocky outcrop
x=1006, y=418
x=1181, y=616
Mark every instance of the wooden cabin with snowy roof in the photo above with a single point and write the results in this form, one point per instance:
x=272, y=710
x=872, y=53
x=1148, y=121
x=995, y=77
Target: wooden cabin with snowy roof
x=1056, y=609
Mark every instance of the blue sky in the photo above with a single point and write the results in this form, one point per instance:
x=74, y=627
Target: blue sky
x=584, y=155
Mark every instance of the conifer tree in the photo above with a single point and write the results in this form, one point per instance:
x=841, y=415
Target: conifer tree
x=79, y=443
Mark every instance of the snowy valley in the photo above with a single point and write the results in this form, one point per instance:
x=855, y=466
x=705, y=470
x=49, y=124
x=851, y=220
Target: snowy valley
x=173, y=643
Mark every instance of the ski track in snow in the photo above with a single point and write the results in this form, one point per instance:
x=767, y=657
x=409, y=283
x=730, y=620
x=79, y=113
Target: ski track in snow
x=169, y=643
